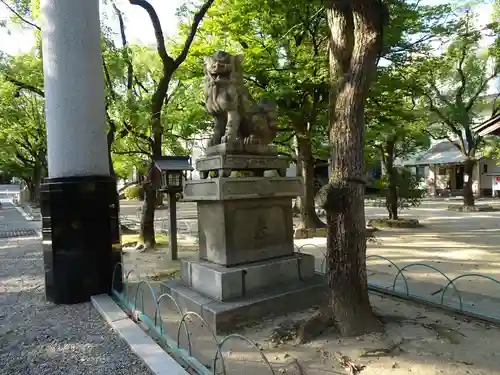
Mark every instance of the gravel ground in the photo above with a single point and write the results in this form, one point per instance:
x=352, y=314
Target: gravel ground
x=40, y=338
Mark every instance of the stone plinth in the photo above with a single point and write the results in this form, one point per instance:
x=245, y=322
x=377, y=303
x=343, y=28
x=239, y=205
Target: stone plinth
x=224, y=189
x=224, y=158
x=228, y=315
x=243, y=220
x=227, y=283
x=239, y=148
x=247, y=268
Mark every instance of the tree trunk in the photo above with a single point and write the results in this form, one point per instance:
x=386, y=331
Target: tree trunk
x=355, y=42
x=391, y=202
x=468, y=173
x=36, y=181
x=307, y=209
x=147, y=227
x=298, y=173
x=150, y=193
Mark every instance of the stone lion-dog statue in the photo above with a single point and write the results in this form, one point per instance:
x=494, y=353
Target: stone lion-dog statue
x=238, y=117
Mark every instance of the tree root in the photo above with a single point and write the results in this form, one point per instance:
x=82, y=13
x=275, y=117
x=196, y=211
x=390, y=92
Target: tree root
x=314, y=326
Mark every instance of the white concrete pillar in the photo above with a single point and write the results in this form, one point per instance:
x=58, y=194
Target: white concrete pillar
x=81, y=241
x=74, y=88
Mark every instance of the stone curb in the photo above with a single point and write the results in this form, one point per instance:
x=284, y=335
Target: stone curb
x=25, y=214
x=300, y=234
x=153, y=356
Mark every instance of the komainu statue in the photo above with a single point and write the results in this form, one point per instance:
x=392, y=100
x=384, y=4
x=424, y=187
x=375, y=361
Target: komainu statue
x=238, y=117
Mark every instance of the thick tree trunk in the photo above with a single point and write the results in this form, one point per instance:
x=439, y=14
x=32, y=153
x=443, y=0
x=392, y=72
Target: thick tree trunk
x=356, y=28
x=468, y=173
x=307, y=209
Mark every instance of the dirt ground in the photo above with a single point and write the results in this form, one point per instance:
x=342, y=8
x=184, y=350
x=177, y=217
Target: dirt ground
x=418, y=340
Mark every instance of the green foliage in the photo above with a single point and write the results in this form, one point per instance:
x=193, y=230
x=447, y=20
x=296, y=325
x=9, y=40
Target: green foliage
x=134, y=192
x=409, y=192
x=23, y=143
x=453, y=84
x=408, y=189
x=285, y=60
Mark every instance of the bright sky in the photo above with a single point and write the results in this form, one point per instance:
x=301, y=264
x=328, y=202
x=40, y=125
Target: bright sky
x=139, y=27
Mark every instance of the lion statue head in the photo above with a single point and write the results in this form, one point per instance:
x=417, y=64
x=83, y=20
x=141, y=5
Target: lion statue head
x=222, y=67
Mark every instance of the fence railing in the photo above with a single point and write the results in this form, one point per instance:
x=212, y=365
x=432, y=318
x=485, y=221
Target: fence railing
x=132, y=299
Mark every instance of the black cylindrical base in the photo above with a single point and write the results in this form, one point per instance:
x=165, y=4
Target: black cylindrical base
x=81, y=238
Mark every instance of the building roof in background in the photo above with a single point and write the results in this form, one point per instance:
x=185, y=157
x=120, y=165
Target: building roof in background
x=489, y=127
x=444, y=152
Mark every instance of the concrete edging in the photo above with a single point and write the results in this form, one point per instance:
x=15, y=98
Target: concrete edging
x=153, y=356
x=22, y=211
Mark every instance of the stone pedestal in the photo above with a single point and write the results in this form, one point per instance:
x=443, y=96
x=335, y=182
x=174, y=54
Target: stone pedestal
x=247, y=268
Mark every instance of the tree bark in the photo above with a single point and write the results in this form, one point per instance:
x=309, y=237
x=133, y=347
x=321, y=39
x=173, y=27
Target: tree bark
x=36, y=181
x=307, y=207
x=468, y=173
x=391, y=202
x=147, y=228
x=355, y=41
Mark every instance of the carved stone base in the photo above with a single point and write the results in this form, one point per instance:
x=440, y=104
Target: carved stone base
x=224, y=316
x=223, y=164
x=241, y=231
x=227, y=283
x=242, y=220
x=240, y=148
x=242, y=188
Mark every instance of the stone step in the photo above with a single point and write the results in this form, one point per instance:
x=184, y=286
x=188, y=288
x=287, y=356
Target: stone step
x=224, y=317
x=227, y=283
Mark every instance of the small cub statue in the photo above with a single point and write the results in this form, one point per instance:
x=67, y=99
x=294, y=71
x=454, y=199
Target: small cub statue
x=238, y=117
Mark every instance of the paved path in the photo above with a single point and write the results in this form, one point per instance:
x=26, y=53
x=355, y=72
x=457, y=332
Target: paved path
x=39, y=338
x=13, y=223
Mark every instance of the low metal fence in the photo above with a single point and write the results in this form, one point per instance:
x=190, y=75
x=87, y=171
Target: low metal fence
x=133, y=301
x=130, y=302
x=406, y=293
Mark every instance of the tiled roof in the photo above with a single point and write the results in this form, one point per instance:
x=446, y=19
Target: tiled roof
x=174, y=163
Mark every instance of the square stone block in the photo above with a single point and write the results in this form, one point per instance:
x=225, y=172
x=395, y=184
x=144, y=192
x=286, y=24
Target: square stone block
x=239, y=162
x=233, y=188
x=223, y=317
x=240, y=148
x=223, y=283
x=242, y=231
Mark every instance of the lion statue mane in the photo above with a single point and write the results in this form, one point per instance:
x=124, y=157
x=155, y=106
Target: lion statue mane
x=237, y=116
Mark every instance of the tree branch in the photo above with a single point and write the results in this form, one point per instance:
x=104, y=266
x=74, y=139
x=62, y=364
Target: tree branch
x=495, y=108
x=192, y=32
x=481, y=89
x=25, y=86
x=160, y=39
x=126, y=57
x=461, y=74
x=18, y=15
x=132, y=152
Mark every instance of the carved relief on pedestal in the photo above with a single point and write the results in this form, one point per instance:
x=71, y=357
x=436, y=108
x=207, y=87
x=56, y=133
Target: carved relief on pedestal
x=257, y=228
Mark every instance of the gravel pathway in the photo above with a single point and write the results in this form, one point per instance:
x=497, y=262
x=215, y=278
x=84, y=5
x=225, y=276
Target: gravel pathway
x=39, y=338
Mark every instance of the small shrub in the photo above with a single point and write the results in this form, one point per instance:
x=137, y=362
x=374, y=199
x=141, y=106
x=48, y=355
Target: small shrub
x=134, y=192
x=408, y=190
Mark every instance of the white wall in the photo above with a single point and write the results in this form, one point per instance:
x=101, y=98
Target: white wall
x=487, y=178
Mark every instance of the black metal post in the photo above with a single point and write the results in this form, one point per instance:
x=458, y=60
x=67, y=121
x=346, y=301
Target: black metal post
x=172, y=240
